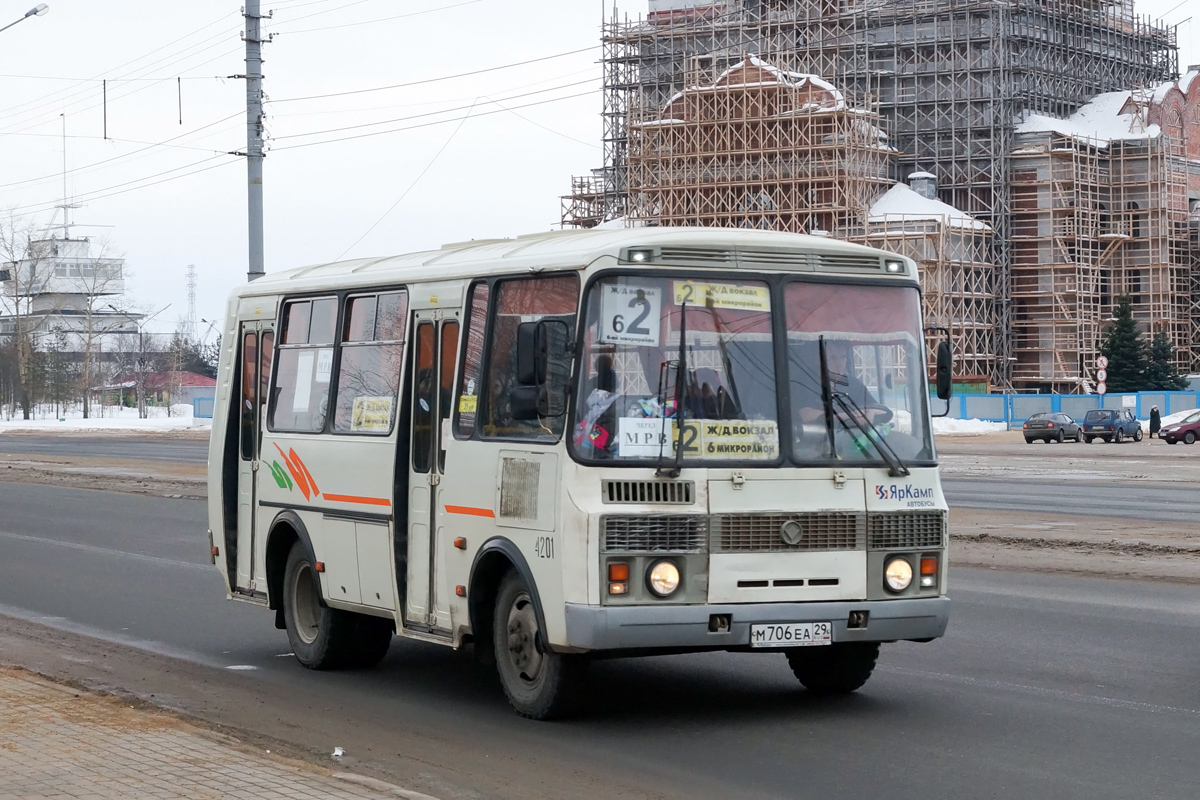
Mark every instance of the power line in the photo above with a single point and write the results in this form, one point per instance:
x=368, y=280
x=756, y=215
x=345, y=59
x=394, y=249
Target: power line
x=411, y=186
x=86, y=167
x=427, y=114
x=382, y=19
x=434, y=80
x=428, y=124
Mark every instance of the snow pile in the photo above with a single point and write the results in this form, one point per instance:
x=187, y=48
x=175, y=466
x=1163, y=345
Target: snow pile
x=1100, y=118
x=114, y=418
x=945, y=426
x=900, y=203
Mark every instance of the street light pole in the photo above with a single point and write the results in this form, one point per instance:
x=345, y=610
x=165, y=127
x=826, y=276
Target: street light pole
x=37, y=11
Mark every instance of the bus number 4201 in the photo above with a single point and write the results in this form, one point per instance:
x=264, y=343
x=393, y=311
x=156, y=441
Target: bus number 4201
x=544, y=547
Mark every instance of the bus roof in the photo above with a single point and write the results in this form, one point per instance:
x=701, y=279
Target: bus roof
x=679, y=246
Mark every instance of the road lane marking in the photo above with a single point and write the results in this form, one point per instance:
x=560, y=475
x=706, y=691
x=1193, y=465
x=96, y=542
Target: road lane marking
x=1059, y=694
x=90, y=548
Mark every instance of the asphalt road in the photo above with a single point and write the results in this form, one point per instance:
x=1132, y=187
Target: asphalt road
x=1045, y=686
x=188, y=451
x=1063, y=495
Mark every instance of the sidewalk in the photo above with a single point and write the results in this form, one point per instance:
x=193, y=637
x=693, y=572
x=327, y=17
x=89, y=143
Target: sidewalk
x=56, y=742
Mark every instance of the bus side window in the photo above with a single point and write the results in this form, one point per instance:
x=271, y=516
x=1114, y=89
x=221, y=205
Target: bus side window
x=518, y=301
x=472, y=373
x=249, y=388
x=372, y=348
x=301, y=382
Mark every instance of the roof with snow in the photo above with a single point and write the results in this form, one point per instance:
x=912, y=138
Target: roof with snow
x=753, y=71
x=902, y=203
x=163, y=380
x=1101, y=118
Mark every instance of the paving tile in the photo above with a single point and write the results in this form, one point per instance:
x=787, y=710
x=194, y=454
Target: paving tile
x=59, y=744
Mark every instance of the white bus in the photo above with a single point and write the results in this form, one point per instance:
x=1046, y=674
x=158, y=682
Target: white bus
x=572, y=444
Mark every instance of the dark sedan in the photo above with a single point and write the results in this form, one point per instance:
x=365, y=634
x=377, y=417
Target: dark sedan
x=1051, y=426
x=1111, y=425
x=1187, y=430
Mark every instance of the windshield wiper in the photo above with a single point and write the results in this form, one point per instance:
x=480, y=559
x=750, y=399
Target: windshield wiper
x=851, y=410
x=680, y=400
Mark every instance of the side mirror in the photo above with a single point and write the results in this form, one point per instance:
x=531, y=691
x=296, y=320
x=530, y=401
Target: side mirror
x=543, y=369
x=945, y=360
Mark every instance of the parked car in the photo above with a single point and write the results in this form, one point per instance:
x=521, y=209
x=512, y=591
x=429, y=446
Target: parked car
x=1186, y=430
x=1111, y=425
x=1050, y=425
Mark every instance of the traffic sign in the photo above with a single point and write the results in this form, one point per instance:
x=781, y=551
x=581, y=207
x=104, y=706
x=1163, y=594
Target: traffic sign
x=1102, y=363
x=1101, y=388
x=1102, y=375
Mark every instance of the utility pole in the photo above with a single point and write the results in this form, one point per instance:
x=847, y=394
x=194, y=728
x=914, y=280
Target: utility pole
x=254, y=135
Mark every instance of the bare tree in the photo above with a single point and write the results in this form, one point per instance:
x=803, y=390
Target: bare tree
x=25, y=257
x=102, y=308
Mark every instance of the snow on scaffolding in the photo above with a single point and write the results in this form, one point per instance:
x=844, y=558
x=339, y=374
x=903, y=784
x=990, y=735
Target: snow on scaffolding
x=901, y=203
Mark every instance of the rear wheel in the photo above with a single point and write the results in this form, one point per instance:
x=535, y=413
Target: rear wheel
x=834, y=669
x=1088, y=439
x=1029, y=441
x=540, y=684
x=1119, y=436
x=320, y=636
x=1189, y=437
x=1062, y=437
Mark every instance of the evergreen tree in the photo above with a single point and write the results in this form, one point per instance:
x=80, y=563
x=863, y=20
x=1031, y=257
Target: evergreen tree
x=1125, y=349
x=1160, y=367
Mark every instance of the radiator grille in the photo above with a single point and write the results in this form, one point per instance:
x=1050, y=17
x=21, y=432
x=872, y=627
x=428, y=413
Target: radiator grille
x=906, y=530
x=654, y=533
x=825, y=530
x=681, y=492
x=711, y=255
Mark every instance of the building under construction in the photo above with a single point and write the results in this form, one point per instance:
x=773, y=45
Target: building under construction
x=932, y=87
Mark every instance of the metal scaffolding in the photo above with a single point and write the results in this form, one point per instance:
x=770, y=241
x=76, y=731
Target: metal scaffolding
x=948, y=77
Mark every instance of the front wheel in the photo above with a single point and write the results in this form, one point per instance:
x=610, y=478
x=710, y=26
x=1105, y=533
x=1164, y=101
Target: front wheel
x=540, y=684
x=1137, y=435
x=1078, y=437
x=835, y=668
x=320, y=636
x=1189, y=437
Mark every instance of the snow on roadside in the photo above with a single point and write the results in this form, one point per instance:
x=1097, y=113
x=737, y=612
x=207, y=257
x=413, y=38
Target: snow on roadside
x=945, y=426
x=115, y=418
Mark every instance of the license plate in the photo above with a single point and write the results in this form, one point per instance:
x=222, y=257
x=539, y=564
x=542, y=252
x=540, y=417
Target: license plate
x=791, y=634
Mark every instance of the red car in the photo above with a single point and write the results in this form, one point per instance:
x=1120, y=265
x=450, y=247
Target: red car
x=1187, y=430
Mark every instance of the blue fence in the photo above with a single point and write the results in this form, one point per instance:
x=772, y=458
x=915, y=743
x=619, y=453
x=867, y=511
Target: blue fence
x=1016, y=408
x=202, y=407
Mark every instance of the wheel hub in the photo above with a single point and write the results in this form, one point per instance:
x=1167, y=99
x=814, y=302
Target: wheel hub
x=523, y=651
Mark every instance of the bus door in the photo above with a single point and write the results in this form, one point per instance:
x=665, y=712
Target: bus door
x=435, y=353
x=255, y=348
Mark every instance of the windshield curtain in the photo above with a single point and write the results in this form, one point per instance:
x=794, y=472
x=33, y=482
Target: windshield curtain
x=627, y=409
x=875, y=363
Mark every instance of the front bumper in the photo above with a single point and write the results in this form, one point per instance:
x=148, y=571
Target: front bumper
x=682, y=627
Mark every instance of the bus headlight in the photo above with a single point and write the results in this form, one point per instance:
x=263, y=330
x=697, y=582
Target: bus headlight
x=663, y=578
x=898, y=574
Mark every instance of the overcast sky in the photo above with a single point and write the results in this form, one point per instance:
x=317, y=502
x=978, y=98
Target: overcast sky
x=478, y=156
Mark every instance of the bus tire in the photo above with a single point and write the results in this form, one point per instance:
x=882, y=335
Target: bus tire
x=834, y=669
x=320, y=636
x=372, y=638
x=540, y=684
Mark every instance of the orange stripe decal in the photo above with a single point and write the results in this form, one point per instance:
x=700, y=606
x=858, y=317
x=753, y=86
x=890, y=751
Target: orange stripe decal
x=470, y=512
x=365, y=501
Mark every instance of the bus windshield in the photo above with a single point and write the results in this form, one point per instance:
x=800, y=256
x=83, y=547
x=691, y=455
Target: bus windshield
x=874, y=372
x=630, y=397
x=636, y=384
